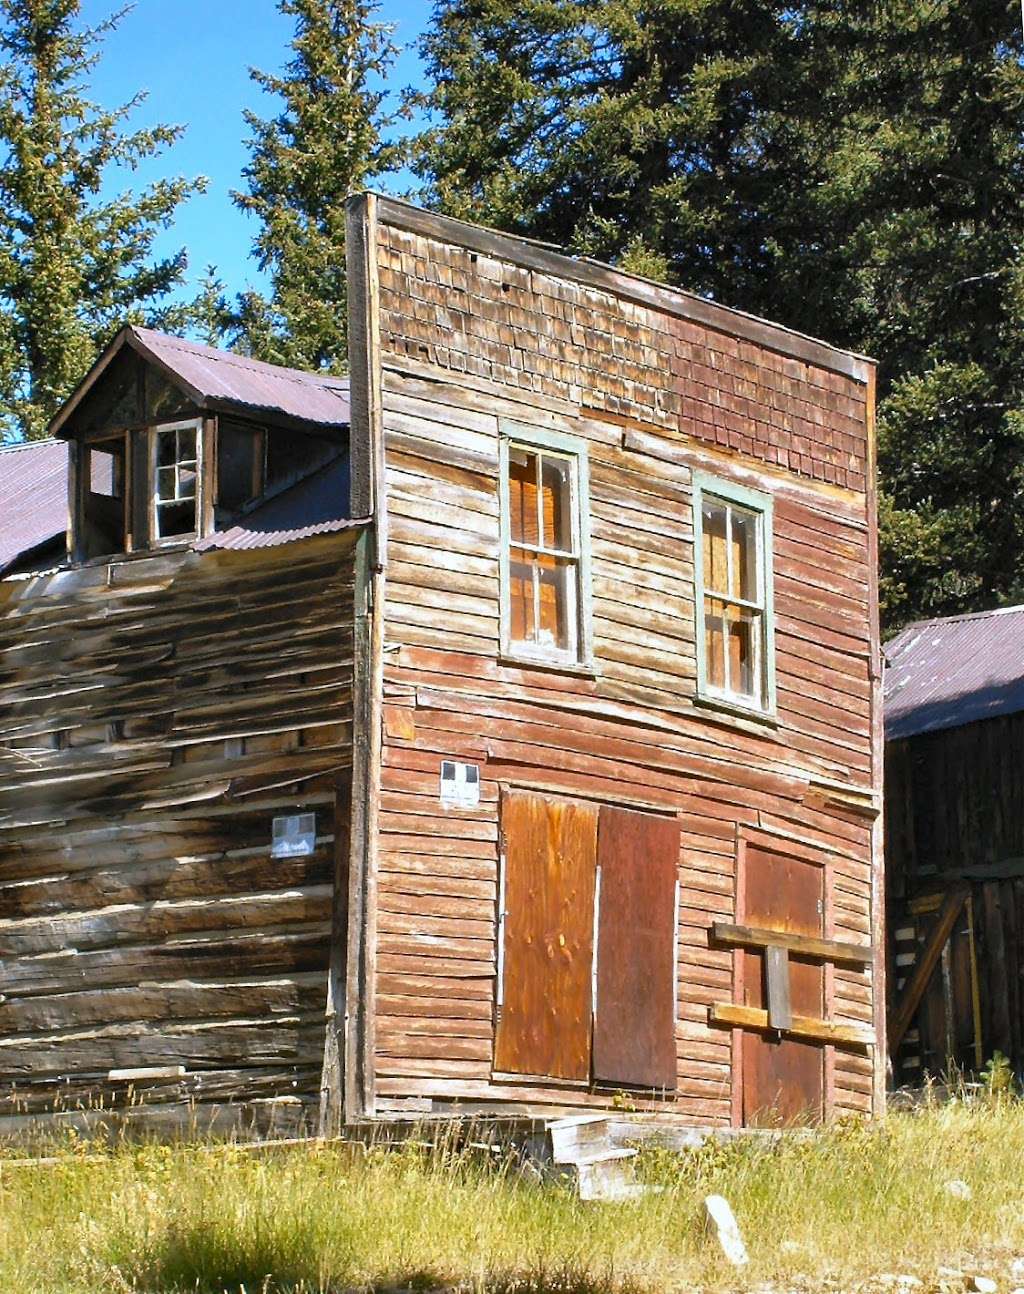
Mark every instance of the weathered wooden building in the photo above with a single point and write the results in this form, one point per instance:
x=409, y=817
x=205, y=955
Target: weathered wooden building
x=502, y=734
x=954, y=802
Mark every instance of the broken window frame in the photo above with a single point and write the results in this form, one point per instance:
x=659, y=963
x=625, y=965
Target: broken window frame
x=158, y=540
x=573, y=451
x=758, y=506
x=84, y=532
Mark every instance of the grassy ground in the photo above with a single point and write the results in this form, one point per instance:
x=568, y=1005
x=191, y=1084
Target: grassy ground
x=830, y=1212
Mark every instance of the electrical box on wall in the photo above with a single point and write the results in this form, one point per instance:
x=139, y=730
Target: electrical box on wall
x=294, y=836
x=460, y=785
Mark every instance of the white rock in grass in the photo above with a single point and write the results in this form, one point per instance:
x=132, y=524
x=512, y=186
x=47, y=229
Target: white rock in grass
x=1017, y=1269
x=959, y=1189
x=982, y=1284
x=722, y=1221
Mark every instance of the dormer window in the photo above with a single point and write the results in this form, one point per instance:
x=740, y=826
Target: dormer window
x=160, y=457
x=175, y=493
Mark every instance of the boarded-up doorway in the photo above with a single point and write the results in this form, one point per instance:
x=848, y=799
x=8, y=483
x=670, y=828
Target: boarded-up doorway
x=587, y=943
x=783, y=1078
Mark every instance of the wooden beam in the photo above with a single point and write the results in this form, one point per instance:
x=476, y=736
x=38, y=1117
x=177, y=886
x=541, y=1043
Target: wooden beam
x=348, y=1087
x=802, y=1026
x=776, y=964
x=879, y=968
x=832, y=950
x=927, y=960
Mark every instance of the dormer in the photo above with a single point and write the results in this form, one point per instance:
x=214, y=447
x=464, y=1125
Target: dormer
x=170, y=441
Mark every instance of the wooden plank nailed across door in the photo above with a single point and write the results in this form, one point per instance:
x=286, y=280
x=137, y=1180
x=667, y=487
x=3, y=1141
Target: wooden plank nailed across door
x=634, y=1027
x=545, y=1017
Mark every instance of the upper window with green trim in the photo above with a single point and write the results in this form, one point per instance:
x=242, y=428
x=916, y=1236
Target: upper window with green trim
x=545, y=547
x=733, y=561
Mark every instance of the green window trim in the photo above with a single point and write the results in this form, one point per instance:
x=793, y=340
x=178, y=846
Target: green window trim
x=761, y=506
x=575, y=448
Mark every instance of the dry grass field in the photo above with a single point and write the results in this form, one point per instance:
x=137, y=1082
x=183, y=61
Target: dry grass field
x=852, y=1208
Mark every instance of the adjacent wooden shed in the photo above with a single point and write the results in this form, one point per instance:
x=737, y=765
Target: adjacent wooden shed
x=955, y=843
x=587, y=710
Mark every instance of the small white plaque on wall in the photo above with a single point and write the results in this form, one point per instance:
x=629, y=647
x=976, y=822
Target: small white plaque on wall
x=294, y=837
x=460, y=785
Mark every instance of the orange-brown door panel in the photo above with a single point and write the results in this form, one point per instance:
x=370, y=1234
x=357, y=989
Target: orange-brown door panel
x=634, y=1027
x=545, y=1018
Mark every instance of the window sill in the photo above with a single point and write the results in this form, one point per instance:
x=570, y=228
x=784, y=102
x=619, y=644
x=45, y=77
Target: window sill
x=733, y=711
x=582, y=669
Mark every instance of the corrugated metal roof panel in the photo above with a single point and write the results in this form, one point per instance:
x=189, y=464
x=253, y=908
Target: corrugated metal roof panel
x=317, y=505
x=33, y=496
x=223, y=376
x=945, y=673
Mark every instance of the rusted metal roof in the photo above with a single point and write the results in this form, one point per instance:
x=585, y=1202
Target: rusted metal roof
x=317, y=505
x=945, y=673
x=220, y=379
x=33, y=497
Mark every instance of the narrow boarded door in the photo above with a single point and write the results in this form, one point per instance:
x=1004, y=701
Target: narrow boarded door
x=545, y=1015
x=634, y=1028
x=782, y=1077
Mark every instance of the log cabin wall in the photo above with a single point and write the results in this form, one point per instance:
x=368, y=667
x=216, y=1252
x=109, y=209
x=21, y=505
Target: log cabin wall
x=157, y=713
x=459, y=333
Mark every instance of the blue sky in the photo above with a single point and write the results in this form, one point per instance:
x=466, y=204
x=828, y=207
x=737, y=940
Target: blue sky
x=193, y=59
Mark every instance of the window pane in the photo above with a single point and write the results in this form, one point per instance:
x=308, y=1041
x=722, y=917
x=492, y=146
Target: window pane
x=166, y=448
x=743, y=672
x=714, y=642
x=521, y=606
x=557, y=603
x=557, y=500
x=176, y=519
x=522, y=496
x=187, y=445
x=542, y=600
x=165, y=483
x=744, y=556
x=187, y=482
x=716, y=570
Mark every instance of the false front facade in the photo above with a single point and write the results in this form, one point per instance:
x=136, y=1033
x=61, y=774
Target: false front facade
x=499, y=735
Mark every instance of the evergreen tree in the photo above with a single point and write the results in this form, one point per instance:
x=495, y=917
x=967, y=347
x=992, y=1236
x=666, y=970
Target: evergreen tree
x=852, y=170
x=74, y=265
x=326, y=141
x=624, y=129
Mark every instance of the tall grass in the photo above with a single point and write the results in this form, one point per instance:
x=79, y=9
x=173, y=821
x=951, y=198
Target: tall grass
x=855, y=1201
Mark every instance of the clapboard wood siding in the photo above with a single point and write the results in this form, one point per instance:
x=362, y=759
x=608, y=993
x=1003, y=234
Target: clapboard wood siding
x=157, y=713
x=464, y=340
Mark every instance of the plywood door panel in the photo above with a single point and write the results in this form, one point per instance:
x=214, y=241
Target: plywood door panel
x=544, y=1025
x=634, y=1028
x=782, y=1077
